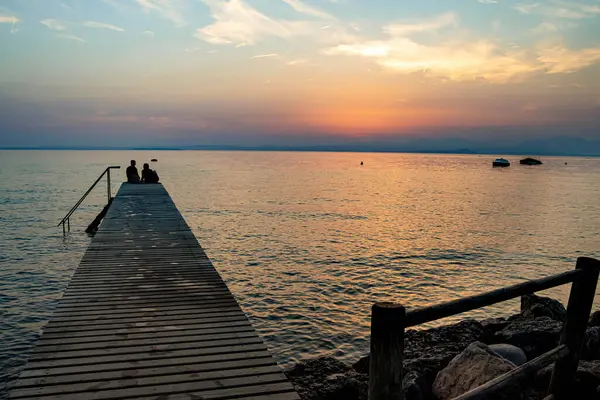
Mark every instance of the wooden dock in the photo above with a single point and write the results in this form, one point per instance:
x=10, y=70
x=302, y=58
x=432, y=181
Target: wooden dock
x=146, y=316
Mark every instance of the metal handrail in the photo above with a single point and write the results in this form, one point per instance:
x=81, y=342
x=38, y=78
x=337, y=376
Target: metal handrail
x=67, y=217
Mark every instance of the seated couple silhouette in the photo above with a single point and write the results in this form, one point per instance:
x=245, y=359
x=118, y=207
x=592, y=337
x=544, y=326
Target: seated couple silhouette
x=148, y=175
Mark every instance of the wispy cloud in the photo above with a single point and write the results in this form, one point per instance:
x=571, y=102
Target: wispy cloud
x=553, y=27
x=173, y=10
x=54, y=24
x=297, y=61
x=148, y=33
x=101, y=25
x=488, y=1
x=560, y=9
x=238, y=23
x=70, y=37
x=431, y=25
x=271, y=55
x=304, y=8
x=10, y=19
x=558, y=59
x=462, y=59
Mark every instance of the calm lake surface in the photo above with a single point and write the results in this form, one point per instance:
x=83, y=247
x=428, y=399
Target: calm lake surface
x=308, y=241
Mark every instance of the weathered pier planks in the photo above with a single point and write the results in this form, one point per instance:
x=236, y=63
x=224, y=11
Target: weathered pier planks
x=146, y=316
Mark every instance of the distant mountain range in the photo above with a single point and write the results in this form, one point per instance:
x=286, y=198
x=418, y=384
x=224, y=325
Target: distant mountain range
x=559, y=146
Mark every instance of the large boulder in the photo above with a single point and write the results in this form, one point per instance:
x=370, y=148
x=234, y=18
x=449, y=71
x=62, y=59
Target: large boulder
x=533, y=306
x=595, y=318
x=444, y=342
x=419, y=374
x=535, y=336
x=509, y=352
x=476, y=365
x=328, y=379
x=441, y=343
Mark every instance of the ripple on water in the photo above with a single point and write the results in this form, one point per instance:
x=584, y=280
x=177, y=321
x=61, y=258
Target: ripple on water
x=306, y=241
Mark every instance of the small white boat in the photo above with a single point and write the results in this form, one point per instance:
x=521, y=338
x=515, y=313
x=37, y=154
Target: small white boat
x=501, y=162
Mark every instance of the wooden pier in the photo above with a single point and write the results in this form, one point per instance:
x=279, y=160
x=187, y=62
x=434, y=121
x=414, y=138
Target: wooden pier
x=146, y=316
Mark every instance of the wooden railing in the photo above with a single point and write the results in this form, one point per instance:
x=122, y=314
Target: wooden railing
x=67, y=219
x=389, y=320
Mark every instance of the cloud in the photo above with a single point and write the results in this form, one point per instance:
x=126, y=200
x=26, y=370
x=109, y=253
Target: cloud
x=558, y=59
x=297, y=61
x=171, y=10
x=488, y=1
x=553, y=27
x=238, y=23
x=101, y=25
x=70, y=37
x=432, y=25
x=54, y=24
x=560, y=9
x=6, y=18
x=462, y=60
x=271, y=55
x=148, y=33
x=304, y=8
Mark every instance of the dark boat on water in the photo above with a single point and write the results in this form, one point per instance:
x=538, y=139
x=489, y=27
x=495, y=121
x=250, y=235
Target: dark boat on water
x=154, y=160
x=530, y=161
x=501, y=162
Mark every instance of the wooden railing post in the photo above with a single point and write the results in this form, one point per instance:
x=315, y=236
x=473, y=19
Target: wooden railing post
x=581, y=298
x=387, y=352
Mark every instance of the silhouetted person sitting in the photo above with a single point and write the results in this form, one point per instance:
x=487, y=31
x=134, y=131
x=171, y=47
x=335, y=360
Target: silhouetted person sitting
x=132, y=173
x=148, y=175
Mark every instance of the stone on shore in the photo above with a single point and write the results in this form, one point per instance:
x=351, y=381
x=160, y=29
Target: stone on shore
x=476, y=365
x=591, y=344
x=509, y=352
x=533, y=306
x=534, y=336
x=587, y=380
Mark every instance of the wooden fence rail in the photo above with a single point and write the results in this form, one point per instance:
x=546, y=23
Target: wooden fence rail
x=389, y=321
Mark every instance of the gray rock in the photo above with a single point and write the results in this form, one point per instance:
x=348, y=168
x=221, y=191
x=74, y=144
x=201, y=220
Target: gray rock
x=533, y=306
x=329, y=379
x=476, y=365
x=534, y=336
x=595, y=318
x=591, y=344
x=509, y=352
x=441, y=343
x=494, y=324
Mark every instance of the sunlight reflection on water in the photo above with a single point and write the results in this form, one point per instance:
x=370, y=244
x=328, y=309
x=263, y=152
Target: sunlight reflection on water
x=308, y=241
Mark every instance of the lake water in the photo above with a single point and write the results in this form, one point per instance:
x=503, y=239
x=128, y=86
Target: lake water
x=308, y=241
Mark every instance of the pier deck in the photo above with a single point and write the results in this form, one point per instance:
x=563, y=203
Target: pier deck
x=146, y=316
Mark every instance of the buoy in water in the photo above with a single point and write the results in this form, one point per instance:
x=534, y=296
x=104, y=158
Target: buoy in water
x=361, y=163
x=154, y=160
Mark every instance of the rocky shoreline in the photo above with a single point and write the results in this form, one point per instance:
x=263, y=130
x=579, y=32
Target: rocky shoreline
x=444, y=362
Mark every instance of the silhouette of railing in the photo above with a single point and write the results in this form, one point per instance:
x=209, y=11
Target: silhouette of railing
x=389, y=320
x=66, y=219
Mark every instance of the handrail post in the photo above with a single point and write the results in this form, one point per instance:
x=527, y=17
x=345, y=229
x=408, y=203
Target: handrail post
x=108, y=183
x=387, y=351
x=581, y=298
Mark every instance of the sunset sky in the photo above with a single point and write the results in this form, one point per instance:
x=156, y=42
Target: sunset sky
x=296, y=72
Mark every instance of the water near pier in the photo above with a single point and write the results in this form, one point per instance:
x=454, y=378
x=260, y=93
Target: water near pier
x=307, y=241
